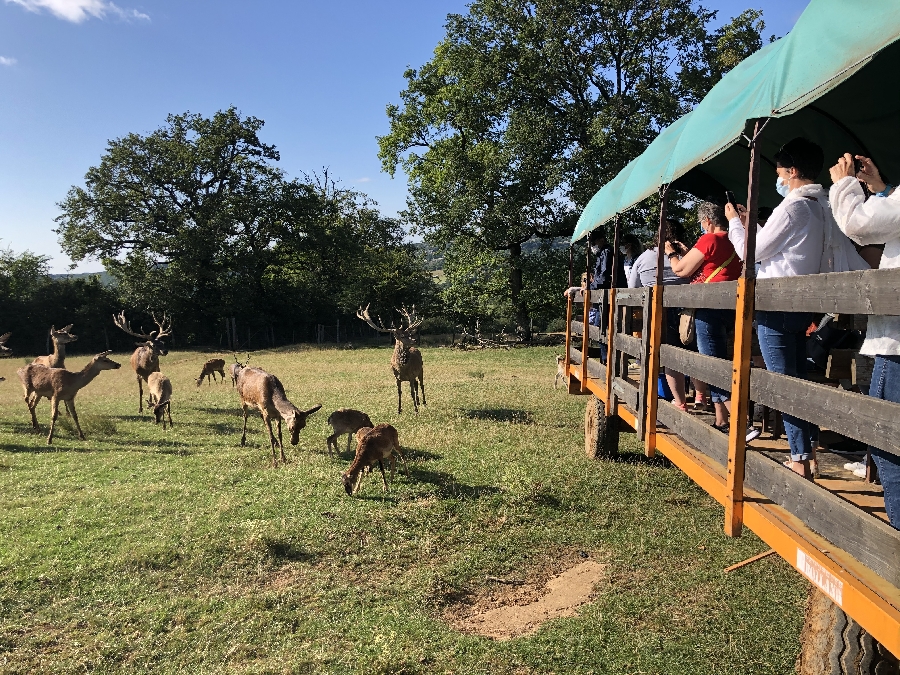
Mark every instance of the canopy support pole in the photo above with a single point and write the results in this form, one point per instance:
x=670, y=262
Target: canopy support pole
x=655, y=337
x=569, y=303
x=611, y=325
x=586, y=336
x=740, y=370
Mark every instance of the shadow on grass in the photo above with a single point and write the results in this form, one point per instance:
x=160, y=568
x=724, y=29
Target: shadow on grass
x=285, y=550
x=506, y=415
x=639, y=459
x=231, y=411
x=448, y=487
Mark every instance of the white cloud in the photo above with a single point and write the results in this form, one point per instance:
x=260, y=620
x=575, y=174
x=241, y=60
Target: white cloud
x=364, y=180
x=7, y=61
x=77, y=11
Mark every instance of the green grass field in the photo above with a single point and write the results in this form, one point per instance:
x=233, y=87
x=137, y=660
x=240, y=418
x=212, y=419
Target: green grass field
x=144, y=551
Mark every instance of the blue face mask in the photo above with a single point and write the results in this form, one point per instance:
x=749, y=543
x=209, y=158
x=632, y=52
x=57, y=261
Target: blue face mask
x=781, y=187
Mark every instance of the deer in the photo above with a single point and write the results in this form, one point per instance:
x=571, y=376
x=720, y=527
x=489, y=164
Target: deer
x=59, y=384
x=160, y=398
x=60, y=338
x=4, y=350
x=406, y=361
x=373, y=445
x=145, y=359
x=346, y=421
x=235, y=368
x=210, y=368
x=261, y=390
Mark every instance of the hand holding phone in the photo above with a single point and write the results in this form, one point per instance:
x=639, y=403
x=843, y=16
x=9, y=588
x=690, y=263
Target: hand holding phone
x=729, y=197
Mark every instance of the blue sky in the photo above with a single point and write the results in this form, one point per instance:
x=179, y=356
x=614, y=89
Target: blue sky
x=75, y=73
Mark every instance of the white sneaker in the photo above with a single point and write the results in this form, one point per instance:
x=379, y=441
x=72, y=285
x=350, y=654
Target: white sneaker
x=860, y=473
x=752, y=432
x=853, y=466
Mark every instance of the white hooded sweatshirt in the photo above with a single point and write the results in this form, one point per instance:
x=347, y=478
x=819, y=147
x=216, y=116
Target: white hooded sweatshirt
x=872, y=221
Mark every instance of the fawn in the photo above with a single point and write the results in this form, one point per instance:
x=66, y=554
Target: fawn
x=346, y=421
x=374, y=445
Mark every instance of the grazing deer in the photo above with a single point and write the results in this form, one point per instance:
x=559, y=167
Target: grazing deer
x=210, y=368
x=145, y=359
x=160, y=398
x=60, y=338
x=406, y=361
x=374, y=445
x=259, y=389
x=346, y=421
x=59, y=384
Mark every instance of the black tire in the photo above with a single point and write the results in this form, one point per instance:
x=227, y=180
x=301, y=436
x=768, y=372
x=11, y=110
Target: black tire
x=601, y=433
x=834, y=644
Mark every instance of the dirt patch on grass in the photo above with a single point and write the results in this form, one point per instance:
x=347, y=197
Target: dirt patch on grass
x=519, y=607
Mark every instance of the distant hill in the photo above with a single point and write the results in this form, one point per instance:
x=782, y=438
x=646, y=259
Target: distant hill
x=105, y=278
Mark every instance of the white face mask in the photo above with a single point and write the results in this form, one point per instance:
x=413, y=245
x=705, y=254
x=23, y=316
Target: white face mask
x=595, y=249
x=781, y=187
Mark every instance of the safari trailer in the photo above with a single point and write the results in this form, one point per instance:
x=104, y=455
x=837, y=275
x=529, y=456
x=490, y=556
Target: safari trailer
x=834, y=79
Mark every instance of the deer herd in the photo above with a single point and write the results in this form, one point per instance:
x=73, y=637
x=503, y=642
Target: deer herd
x=47, y=377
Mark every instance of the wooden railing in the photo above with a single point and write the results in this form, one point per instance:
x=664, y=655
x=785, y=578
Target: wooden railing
x=874, y=422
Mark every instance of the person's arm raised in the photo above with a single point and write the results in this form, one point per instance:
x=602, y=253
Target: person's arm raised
x=686, y=265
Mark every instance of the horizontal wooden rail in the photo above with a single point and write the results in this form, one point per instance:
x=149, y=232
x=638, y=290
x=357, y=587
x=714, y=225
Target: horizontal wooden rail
x=868, y=292
x=626, y=392
x=709, y=369
x=596, y=295
x=596, y=370
x=578, y=329
x=866, y=419
x=867, y=538
x=720, y=295
x=631, y=297
x=695, y=432
x=628, y=344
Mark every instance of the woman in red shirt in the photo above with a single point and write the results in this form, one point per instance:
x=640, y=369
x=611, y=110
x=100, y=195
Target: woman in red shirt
x=712, y=259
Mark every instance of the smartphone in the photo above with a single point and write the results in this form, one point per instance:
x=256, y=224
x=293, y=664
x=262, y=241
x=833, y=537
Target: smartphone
x=729, y=197
x=857, y=165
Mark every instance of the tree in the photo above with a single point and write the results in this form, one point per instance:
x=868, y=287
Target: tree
x=529, y=106
x=196, y=220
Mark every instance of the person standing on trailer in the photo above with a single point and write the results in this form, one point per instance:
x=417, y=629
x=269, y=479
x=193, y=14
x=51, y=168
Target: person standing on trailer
x=875, y=221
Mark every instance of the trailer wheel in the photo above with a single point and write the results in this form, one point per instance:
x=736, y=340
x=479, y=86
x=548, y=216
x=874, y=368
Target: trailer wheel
x=834, y=644
x=601, y=434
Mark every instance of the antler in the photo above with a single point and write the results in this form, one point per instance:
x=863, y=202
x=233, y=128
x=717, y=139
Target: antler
x=412, y=320
x=244, y=364
x=165, y=328
x=125, y=325
x=364, y=315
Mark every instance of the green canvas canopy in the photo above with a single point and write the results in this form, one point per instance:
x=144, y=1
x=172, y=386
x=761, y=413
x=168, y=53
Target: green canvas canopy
x=833, y=79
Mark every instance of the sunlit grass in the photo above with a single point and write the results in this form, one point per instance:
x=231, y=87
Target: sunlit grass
x=143, y=550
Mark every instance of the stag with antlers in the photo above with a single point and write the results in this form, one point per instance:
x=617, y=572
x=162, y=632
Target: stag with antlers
x=145, y=359
x=406, y=361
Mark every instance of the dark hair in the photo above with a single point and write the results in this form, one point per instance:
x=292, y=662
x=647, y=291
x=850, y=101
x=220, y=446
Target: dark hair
x=597, y=235
x=803, y=155
x=676, y=231
x=763, y=213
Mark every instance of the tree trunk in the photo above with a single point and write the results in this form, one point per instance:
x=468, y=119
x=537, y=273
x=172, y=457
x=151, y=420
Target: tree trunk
x=523, y=320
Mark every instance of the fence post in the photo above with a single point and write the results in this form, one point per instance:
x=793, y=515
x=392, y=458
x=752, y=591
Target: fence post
x=740, y=369
x=656, y=322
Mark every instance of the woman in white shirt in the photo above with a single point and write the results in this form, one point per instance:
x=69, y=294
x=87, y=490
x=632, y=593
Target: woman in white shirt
x=791, y=244
x=875, y=221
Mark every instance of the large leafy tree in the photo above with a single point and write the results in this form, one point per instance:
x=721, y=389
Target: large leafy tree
x=529, y=106
x=196, y=219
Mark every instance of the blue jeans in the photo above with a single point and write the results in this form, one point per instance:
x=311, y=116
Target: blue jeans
x=711, y=327
x=597, y=317
x=782, y=339
x=886, y=386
